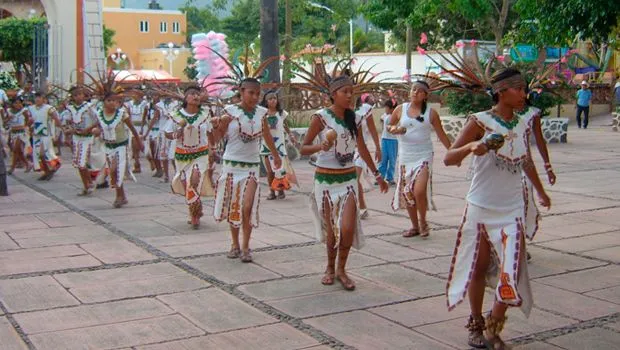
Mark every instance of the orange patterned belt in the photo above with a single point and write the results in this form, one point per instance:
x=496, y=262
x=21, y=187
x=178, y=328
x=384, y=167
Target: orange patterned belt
x=328, y=171
x=180, y=150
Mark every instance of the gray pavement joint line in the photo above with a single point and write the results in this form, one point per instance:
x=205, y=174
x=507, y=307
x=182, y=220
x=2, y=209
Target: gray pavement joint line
x=551, y=190
x=553, y=333
x=578, y=254
x=79, y=269
x=297, y=323
x=17, y=327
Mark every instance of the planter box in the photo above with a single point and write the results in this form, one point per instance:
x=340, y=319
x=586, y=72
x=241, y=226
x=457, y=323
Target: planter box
x=555, y=130
x=615, y=121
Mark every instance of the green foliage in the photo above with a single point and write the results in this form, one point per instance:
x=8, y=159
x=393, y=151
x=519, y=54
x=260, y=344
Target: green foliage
x=190, y=70
x=108, y=38
x=8, y=81
x=465, y=103
x=16, y=37
x=200, y=20
x=243, y=25
x=559, y=22
x=545, y=101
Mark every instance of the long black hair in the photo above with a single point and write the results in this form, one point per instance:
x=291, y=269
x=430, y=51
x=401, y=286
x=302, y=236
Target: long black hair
x=500, y=75
x=349, y=114
x=424, y=103
x=264, y=101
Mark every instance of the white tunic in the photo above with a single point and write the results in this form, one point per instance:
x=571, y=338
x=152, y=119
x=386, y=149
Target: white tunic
x=276, y=128
x=244, y=134
x=341, y=155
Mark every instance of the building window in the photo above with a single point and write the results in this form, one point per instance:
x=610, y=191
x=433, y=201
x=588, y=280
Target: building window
x=163, y=27
x=176, y=27
x=144, y=26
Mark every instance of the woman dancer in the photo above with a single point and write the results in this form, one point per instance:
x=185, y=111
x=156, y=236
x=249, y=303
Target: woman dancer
x=157, y=121
x=414, y=123
x=138, y=109
x=366, y=123
x=18, y=121
x=334, y=199
x=276, y=117
x=166, y=146
x=113, y=124
x=238, y=195
x=43, y=155
x=389, y=144
x=490, y=245
x=190, y=126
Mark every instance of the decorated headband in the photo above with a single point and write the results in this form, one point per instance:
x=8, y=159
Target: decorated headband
x=509, y=82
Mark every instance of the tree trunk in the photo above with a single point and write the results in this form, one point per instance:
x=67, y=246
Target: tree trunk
x=501, y=26
x=288, y=38
x=269, y=37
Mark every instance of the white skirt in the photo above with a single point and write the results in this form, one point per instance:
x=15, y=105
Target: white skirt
x=507, y=272
x=336, y=193
x=43, y=147
x=409, y=168
x=181, y=185
x=82, y=147
x=230, y=192
x=118, y=154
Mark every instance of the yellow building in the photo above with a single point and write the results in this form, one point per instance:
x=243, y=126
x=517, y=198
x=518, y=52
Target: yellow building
x=143, y=34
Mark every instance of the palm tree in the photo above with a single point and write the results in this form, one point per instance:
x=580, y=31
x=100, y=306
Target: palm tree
x=269, y=37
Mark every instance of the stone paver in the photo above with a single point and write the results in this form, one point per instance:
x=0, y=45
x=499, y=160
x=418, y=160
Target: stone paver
x=70, y=282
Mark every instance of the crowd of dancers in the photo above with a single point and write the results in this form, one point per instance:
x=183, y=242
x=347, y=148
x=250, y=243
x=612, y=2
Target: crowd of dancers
x=109, y=127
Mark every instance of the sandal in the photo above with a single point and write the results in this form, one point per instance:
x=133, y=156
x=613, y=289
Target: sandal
x=346, y=282
x=476, y=327
x=493, y=329
x=411, y=232
x=271, y=196
x=425, y=231
x=85, y=193
x=234, y=253
x=246, y=257
x=363, y=213
x=281, y=195
x=328, y=278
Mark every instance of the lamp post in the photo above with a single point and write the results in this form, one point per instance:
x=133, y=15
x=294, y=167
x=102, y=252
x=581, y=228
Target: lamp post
x=170, y=54
x=118, y=57
x=314, y=4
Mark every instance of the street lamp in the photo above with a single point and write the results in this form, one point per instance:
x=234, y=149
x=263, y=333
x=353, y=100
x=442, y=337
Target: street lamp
x=170, y=54
x=314, y=4
x=118, y=57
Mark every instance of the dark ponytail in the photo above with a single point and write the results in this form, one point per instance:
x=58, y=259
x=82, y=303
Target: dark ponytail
x=424, y=103
x=350, y=122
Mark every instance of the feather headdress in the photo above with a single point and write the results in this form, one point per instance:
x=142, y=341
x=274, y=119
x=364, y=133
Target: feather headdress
x=103, y=84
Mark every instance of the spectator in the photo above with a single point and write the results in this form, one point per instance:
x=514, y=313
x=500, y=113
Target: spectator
x=584, y=96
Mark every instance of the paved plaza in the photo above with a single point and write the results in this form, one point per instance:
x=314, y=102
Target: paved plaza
x=77, y=274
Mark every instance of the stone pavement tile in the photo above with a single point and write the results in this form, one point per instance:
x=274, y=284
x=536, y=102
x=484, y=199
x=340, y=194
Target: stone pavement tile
x=364, y=330
x=233, y=271
x=6, y=243
x=436, y=266
x=440, y=242
x=9, y=339
x=305, y=260
x=34, y=293
x=609, y=254
x=403, y=279
x=589, y=339
x=273, y=337
x=420, y=312
x=586, y=280
x=395, y=222
x=372, y=229
x=537, y=346
x=538, y=321
x=388, y=251
x=216, y=311
x=571, y=304
x=288, y=288
x=614, y=325
x=119, y=335
x=608, y=294
x=143, y=229
x=283, y=220
x=454, y=333
x=273, y=235
x=20, y=222
x=135, y=281
x=40, y=207
x=109, y=212
x=195, y=238
x=606, y=216
x=91, y=315
x=585, y=229
x=63, y=219
x=48, y=237
x=580, y=244
x=44, y=259
x=118, y=251
x=365, y=295
x=546, y=262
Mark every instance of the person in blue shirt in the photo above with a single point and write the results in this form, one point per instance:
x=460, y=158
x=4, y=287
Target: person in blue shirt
x=584, y=95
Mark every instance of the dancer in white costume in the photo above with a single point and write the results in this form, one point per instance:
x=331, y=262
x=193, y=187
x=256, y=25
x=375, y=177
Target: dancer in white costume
x=157, y=120
x=490, y=245
x=138, y=109
x=366, y=123
x=18, y=120
x=414, y=123
x=334, y=199
x=276, y=117
x=83, y=120
x=114, y=121
x=43, y=154
x=165, y=145
x=237, y=195
x=191, y=127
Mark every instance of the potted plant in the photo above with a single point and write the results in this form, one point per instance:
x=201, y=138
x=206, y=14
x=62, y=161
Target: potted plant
x=9, y=84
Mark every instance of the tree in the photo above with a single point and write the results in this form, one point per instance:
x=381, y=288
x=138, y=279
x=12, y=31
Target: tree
x=559, y=22
x=270, y=40
x=16, y=37
x=243, y=25
x=200, y=20
x=108, y=38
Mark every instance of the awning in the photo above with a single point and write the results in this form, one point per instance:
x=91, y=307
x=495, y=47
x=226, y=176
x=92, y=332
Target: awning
x=138, y=75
